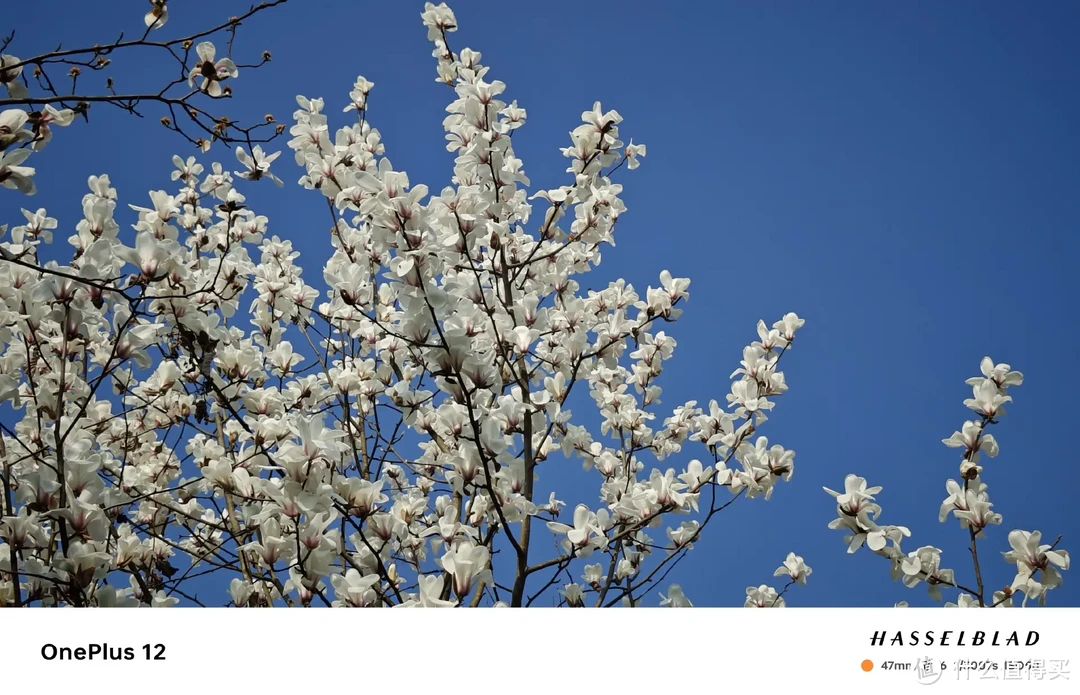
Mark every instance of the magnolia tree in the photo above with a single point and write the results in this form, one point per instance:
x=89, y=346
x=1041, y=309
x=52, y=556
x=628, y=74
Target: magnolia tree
x=183, y=409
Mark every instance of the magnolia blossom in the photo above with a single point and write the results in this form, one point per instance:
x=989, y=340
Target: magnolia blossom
x=465, y=564
x=12, y=130
x=1031, y=555
x=186, y=170
x=924, y=564
x=11, y=70
x=211, y=73
x=257, y=164
x=157, y=16
x=151, y=256
x=354, y=590
x=763, y=597
x=977, y=514
x=573, y=595
x=23, y=531
x=632, y=153
x=972, y=440
x=1002, y=375
x=1038, y=565
x=581, y=537
x=794, y=568
x=675, y=598
x=856, y=496
x=431, y=589
x=43, y=122
x=13, y=174
x=963, y=601
x=358, y=96
x=988, y=399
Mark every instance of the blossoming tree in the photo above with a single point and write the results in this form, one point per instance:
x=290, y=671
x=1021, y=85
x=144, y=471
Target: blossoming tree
x=182, y=403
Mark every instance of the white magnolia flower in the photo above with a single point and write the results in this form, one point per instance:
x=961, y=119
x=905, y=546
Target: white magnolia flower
x=972, y=440
x=465, y=564
x=632, y=153
x=574, y=595
x=794, y=568
x=211, y=73
x=12, y=128
x=1032, y=556
x=354, y=590
x=257, y=164
x=157, y=16
x=151, y=256
x=13, y=174
x=675, y=598
x=1001, y=374
x=987, y=399
x=10, y=71
x=763, y=596
x=46, y=118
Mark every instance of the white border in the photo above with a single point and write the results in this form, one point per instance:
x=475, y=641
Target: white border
x=539, y=650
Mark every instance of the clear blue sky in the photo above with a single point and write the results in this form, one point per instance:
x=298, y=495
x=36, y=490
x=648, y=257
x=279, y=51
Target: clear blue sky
x=904, y=176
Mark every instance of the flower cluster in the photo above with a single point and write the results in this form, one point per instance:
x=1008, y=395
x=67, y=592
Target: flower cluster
x=189, y=403
x=21, y=134
x=764, y=596
x=1038, y=565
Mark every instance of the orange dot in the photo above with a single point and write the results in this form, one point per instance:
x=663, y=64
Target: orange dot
x=867, y=665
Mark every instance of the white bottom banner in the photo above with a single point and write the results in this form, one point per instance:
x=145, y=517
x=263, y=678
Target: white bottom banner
x=186, y=650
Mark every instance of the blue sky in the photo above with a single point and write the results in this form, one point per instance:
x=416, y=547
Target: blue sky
x=904, y=177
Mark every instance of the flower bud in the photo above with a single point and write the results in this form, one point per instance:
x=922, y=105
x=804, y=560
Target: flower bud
x=969, y=471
